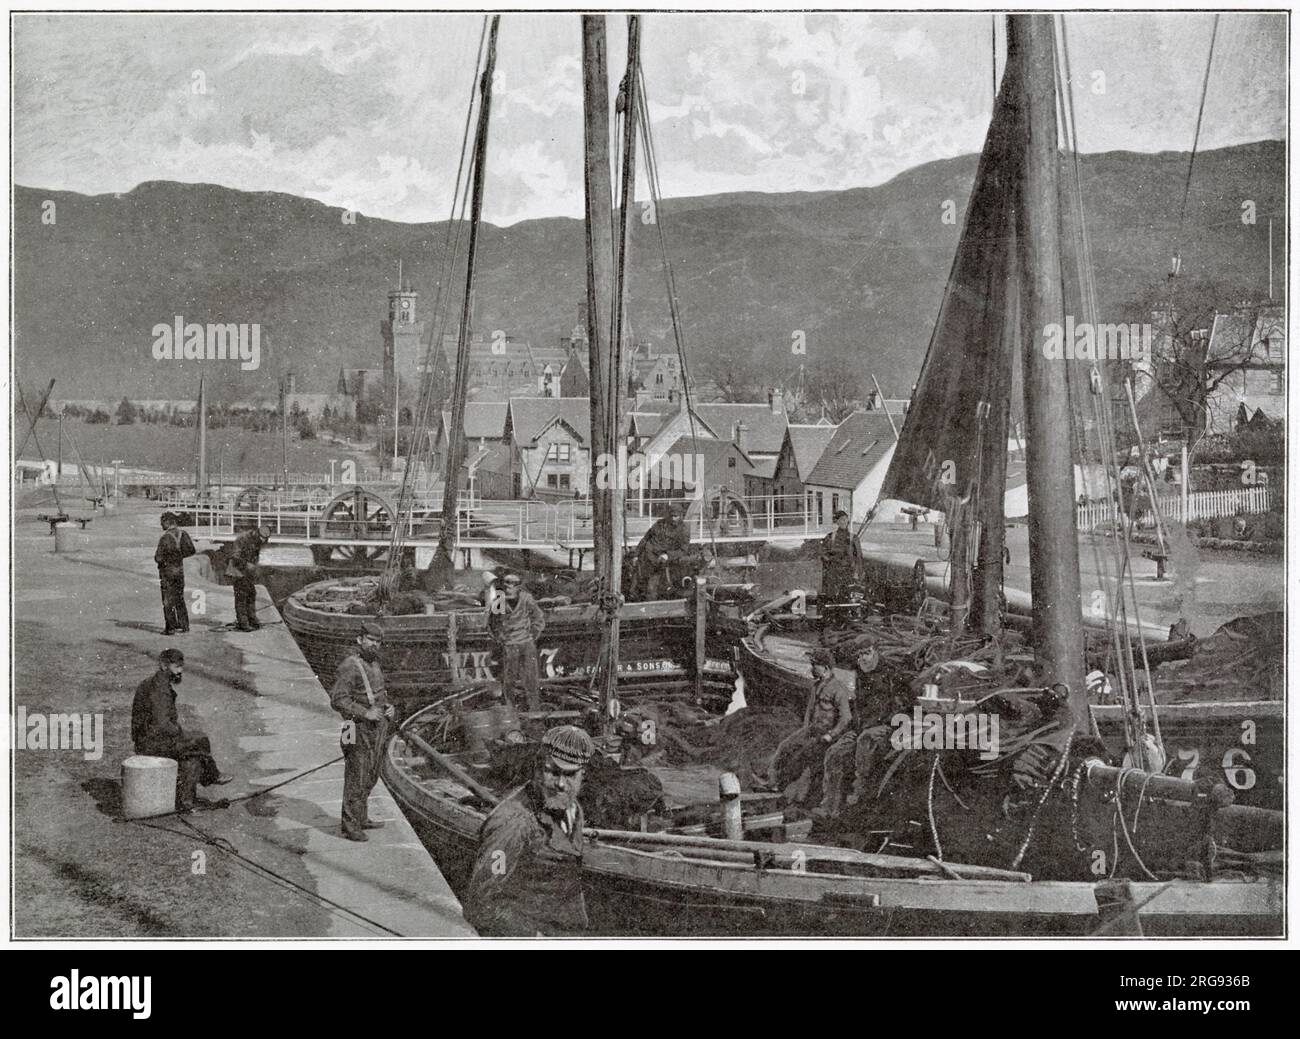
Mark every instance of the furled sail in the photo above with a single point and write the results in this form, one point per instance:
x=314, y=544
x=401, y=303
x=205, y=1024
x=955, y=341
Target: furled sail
x=958, y=410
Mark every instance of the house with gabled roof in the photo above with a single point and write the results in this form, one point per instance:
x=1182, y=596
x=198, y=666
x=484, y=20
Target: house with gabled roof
x=550, y=456
x=851, y=469
x=782, y=494
x=485, y=426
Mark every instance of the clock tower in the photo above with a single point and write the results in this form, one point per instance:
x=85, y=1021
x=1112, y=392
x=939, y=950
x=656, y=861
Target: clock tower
x=403, y=337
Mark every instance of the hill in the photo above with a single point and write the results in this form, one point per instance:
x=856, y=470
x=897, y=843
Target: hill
x=859, y=272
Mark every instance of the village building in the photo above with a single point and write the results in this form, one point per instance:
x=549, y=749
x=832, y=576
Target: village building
x=851, y=469
x=780, y=497
x=1247, y=347
x=549, y=456
x=484, y=426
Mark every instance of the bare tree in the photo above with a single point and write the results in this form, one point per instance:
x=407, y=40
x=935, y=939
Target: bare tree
x=1185, y=372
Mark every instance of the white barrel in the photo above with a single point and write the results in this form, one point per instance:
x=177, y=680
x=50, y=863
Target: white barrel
x=148, y=786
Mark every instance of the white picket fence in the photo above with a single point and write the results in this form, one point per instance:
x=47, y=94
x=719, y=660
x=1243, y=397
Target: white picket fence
x=1200, y=505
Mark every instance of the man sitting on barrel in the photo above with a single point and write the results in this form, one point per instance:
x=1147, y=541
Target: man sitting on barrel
x=156, y=731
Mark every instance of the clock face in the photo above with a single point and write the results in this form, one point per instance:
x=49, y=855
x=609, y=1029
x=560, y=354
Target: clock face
x=406, y=304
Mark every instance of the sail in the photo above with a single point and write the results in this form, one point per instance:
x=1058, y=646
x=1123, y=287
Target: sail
x=958, y=409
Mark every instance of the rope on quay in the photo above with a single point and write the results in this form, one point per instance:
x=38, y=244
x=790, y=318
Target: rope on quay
x=257, y=869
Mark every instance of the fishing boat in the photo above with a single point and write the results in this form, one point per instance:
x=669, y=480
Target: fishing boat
x=1051, y=835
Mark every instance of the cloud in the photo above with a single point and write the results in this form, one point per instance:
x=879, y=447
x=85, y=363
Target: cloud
x=368, y=110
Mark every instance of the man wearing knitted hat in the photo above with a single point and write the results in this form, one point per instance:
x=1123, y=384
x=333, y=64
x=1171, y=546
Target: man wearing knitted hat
x=527, y=877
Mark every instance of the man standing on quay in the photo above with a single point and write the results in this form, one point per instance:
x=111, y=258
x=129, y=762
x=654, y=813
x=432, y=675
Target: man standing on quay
x=174, y=547
x=358, y=695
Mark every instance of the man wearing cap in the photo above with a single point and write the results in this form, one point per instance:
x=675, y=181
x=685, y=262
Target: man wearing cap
x=358, y=695
x=841, y=562
x=870, y=729
x=827, y=718
x=515, y=622
x=174, y=547
x=882, y=692
x=156, y=732
x=245, y=552
x=527, y=875
x=661, y=555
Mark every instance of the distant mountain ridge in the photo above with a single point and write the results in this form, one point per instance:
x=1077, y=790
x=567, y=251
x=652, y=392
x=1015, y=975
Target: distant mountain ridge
x=859, y=272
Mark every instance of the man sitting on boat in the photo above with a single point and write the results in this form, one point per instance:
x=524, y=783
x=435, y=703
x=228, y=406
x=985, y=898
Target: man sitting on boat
x=841, y=563
x=516, y=621
x=828, y=719
x=663, y=556
x=527, y=876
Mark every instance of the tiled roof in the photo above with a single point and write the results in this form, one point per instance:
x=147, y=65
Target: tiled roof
x=645, y=423
x=482, y=419
x=860, y=441
x=712, y=452
x=765, y=428
x=808, y=443
x=530, y=415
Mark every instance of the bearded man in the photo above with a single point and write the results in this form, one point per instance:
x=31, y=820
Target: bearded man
x=527, y=876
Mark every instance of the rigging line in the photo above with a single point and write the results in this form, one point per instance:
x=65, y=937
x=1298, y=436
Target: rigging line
x=656, y=196
x=442, y=293
x=1196, y=140
x=993, y=39
x=1119, y=615
x=1090, y=282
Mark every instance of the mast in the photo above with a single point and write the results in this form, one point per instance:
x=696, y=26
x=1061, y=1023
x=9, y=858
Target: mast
x=606, y=499
x=202, y=481
x=615, y=376
x=456, y=449
x=1053, y=543
x=987, y=575
x=284, y=429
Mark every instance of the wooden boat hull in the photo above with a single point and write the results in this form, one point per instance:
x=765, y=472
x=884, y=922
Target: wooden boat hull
x=644, y=892
x=426, y=654
x=1239, y=743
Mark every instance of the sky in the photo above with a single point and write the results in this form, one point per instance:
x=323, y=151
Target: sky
x=365, y=111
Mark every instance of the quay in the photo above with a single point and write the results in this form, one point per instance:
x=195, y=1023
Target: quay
x=87, y=631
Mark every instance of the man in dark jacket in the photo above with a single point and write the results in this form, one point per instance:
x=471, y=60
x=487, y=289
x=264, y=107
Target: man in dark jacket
x=841, y=562
x=358, y=694
x=527, y=876
x=663, y=556
x=174, y=547
x=516, y=621
x=245, y=552
x=156, y=732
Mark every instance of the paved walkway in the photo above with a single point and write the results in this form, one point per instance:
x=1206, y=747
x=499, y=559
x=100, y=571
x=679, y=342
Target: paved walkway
x=109, y=593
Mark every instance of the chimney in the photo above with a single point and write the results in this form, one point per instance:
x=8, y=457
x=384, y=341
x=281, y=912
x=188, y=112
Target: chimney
x=740, y=434
x=776, y=400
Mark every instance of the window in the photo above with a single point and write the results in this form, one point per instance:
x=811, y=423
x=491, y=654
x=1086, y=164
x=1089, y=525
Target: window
x=559, y=453
x=835, y=504
x=1279, y=382
x=659, y=379
x=557, y=481
x=731, y=462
